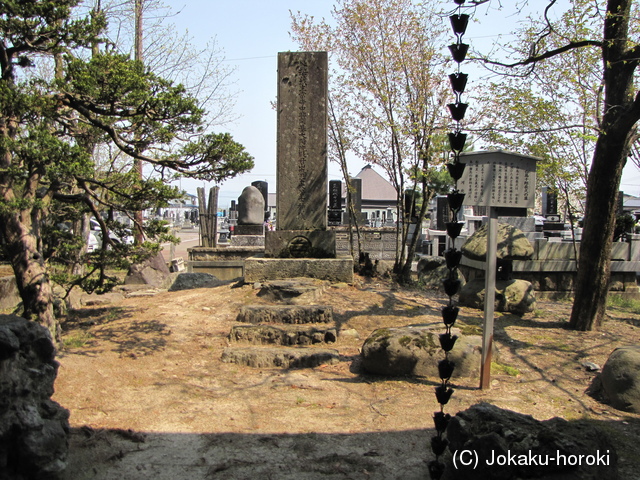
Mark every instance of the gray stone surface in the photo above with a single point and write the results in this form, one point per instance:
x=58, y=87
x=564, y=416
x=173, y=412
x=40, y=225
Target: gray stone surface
x=416, y=351
x=302, y=141
x=186, y=281
x=512, y=244
x=282, y=357
x=258, y=269
x=153, y=271
x=251, y=207
x=491, y=432
x=620, y=378
x=291, y=314
x=33, y=429
x=512, y=296
x=282, y=335
x=294, y=291
x=9, y=295
x=433, y=270
x=247, y=240
x=300, y=244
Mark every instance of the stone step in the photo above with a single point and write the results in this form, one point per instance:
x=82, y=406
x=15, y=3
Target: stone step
x=284, y=335
x=293, y=291
x=283, y=357
x=291, y=314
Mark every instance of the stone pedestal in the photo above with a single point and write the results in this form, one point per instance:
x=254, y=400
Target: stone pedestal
x=331, y=269
x=300, y=244
x=247, y=241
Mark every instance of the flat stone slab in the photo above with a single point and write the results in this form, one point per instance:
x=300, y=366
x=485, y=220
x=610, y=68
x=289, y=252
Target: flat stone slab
x=291, y=314
x=283, y=357
x=295, y=291
x=285, y=335
x=336, y=270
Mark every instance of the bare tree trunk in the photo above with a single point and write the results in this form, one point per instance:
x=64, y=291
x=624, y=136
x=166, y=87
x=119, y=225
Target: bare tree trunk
x=612, y=149
x=594, y=265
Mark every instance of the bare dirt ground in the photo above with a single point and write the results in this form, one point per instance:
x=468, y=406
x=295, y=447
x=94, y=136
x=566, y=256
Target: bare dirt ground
x=150, y=398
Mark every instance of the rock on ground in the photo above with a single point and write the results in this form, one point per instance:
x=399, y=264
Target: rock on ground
x=503, y=436
x=153, y=271
x=187, y=281
x=620, y=378
x=512, y=244
x=417, y=351
x=512, y=296
x=33, y=429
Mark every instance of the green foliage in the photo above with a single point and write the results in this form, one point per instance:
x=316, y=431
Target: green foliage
x=74, y=130
x=623, y=303
x=624, y=224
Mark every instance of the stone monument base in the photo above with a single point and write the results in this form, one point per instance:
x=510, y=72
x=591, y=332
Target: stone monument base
x=226, y=263
x=334, y=270
x=247, y=241
x=248, y=230
x=302, y=244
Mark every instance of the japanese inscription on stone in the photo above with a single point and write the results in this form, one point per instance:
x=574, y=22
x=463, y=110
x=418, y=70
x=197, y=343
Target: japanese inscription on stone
x=498, y=179
x=302, y=141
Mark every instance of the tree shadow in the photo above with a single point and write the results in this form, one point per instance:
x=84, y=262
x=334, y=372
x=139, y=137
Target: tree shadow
x=131, y=338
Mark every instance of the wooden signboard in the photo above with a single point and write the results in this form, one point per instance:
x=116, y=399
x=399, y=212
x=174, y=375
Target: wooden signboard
x=496, y=178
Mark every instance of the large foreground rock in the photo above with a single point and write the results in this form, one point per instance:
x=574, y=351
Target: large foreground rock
x=33, y=428
x=620, y=378
x=512, y=244
x=573, y=450
x=512, y=296
x=416, y=351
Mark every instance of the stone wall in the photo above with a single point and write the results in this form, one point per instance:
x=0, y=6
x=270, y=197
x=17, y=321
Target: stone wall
x=379, y=243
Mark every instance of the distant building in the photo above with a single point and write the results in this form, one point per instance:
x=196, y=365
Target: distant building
x=378, y=196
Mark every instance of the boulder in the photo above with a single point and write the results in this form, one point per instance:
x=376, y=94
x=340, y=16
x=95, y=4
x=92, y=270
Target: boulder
x=416, y=351
x=620, y=378
x=512, y=244
x=512, y=296
x=33, y=429
x=187, y=281
x=433, y=270
x=152, y=271
x=512, y=445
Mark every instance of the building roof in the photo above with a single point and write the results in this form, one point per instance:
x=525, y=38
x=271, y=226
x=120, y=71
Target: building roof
x=375, y=186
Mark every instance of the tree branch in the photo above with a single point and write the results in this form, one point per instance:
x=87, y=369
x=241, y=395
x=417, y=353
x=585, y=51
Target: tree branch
x=545, y=55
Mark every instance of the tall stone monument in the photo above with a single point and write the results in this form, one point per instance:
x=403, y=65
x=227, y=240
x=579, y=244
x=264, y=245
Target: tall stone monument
x=301, y=204
x=301, y=245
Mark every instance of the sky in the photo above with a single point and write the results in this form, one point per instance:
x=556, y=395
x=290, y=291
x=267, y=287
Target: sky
x=252, y=32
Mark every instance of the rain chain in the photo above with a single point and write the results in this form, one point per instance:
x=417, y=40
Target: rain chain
x=452, y=256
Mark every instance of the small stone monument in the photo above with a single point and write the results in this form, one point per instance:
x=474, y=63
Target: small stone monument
x=249, y=231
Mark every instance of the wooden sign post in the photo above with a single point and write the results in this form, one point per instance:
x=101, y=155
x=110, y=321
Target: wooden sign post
x=495, y=179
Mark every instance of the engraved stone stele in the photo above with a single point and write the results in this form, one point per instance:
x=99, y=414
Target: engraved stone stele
x=302, y=141
x=250, y=215
x=301, y=246
x=251, y=207
x=301, y=214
